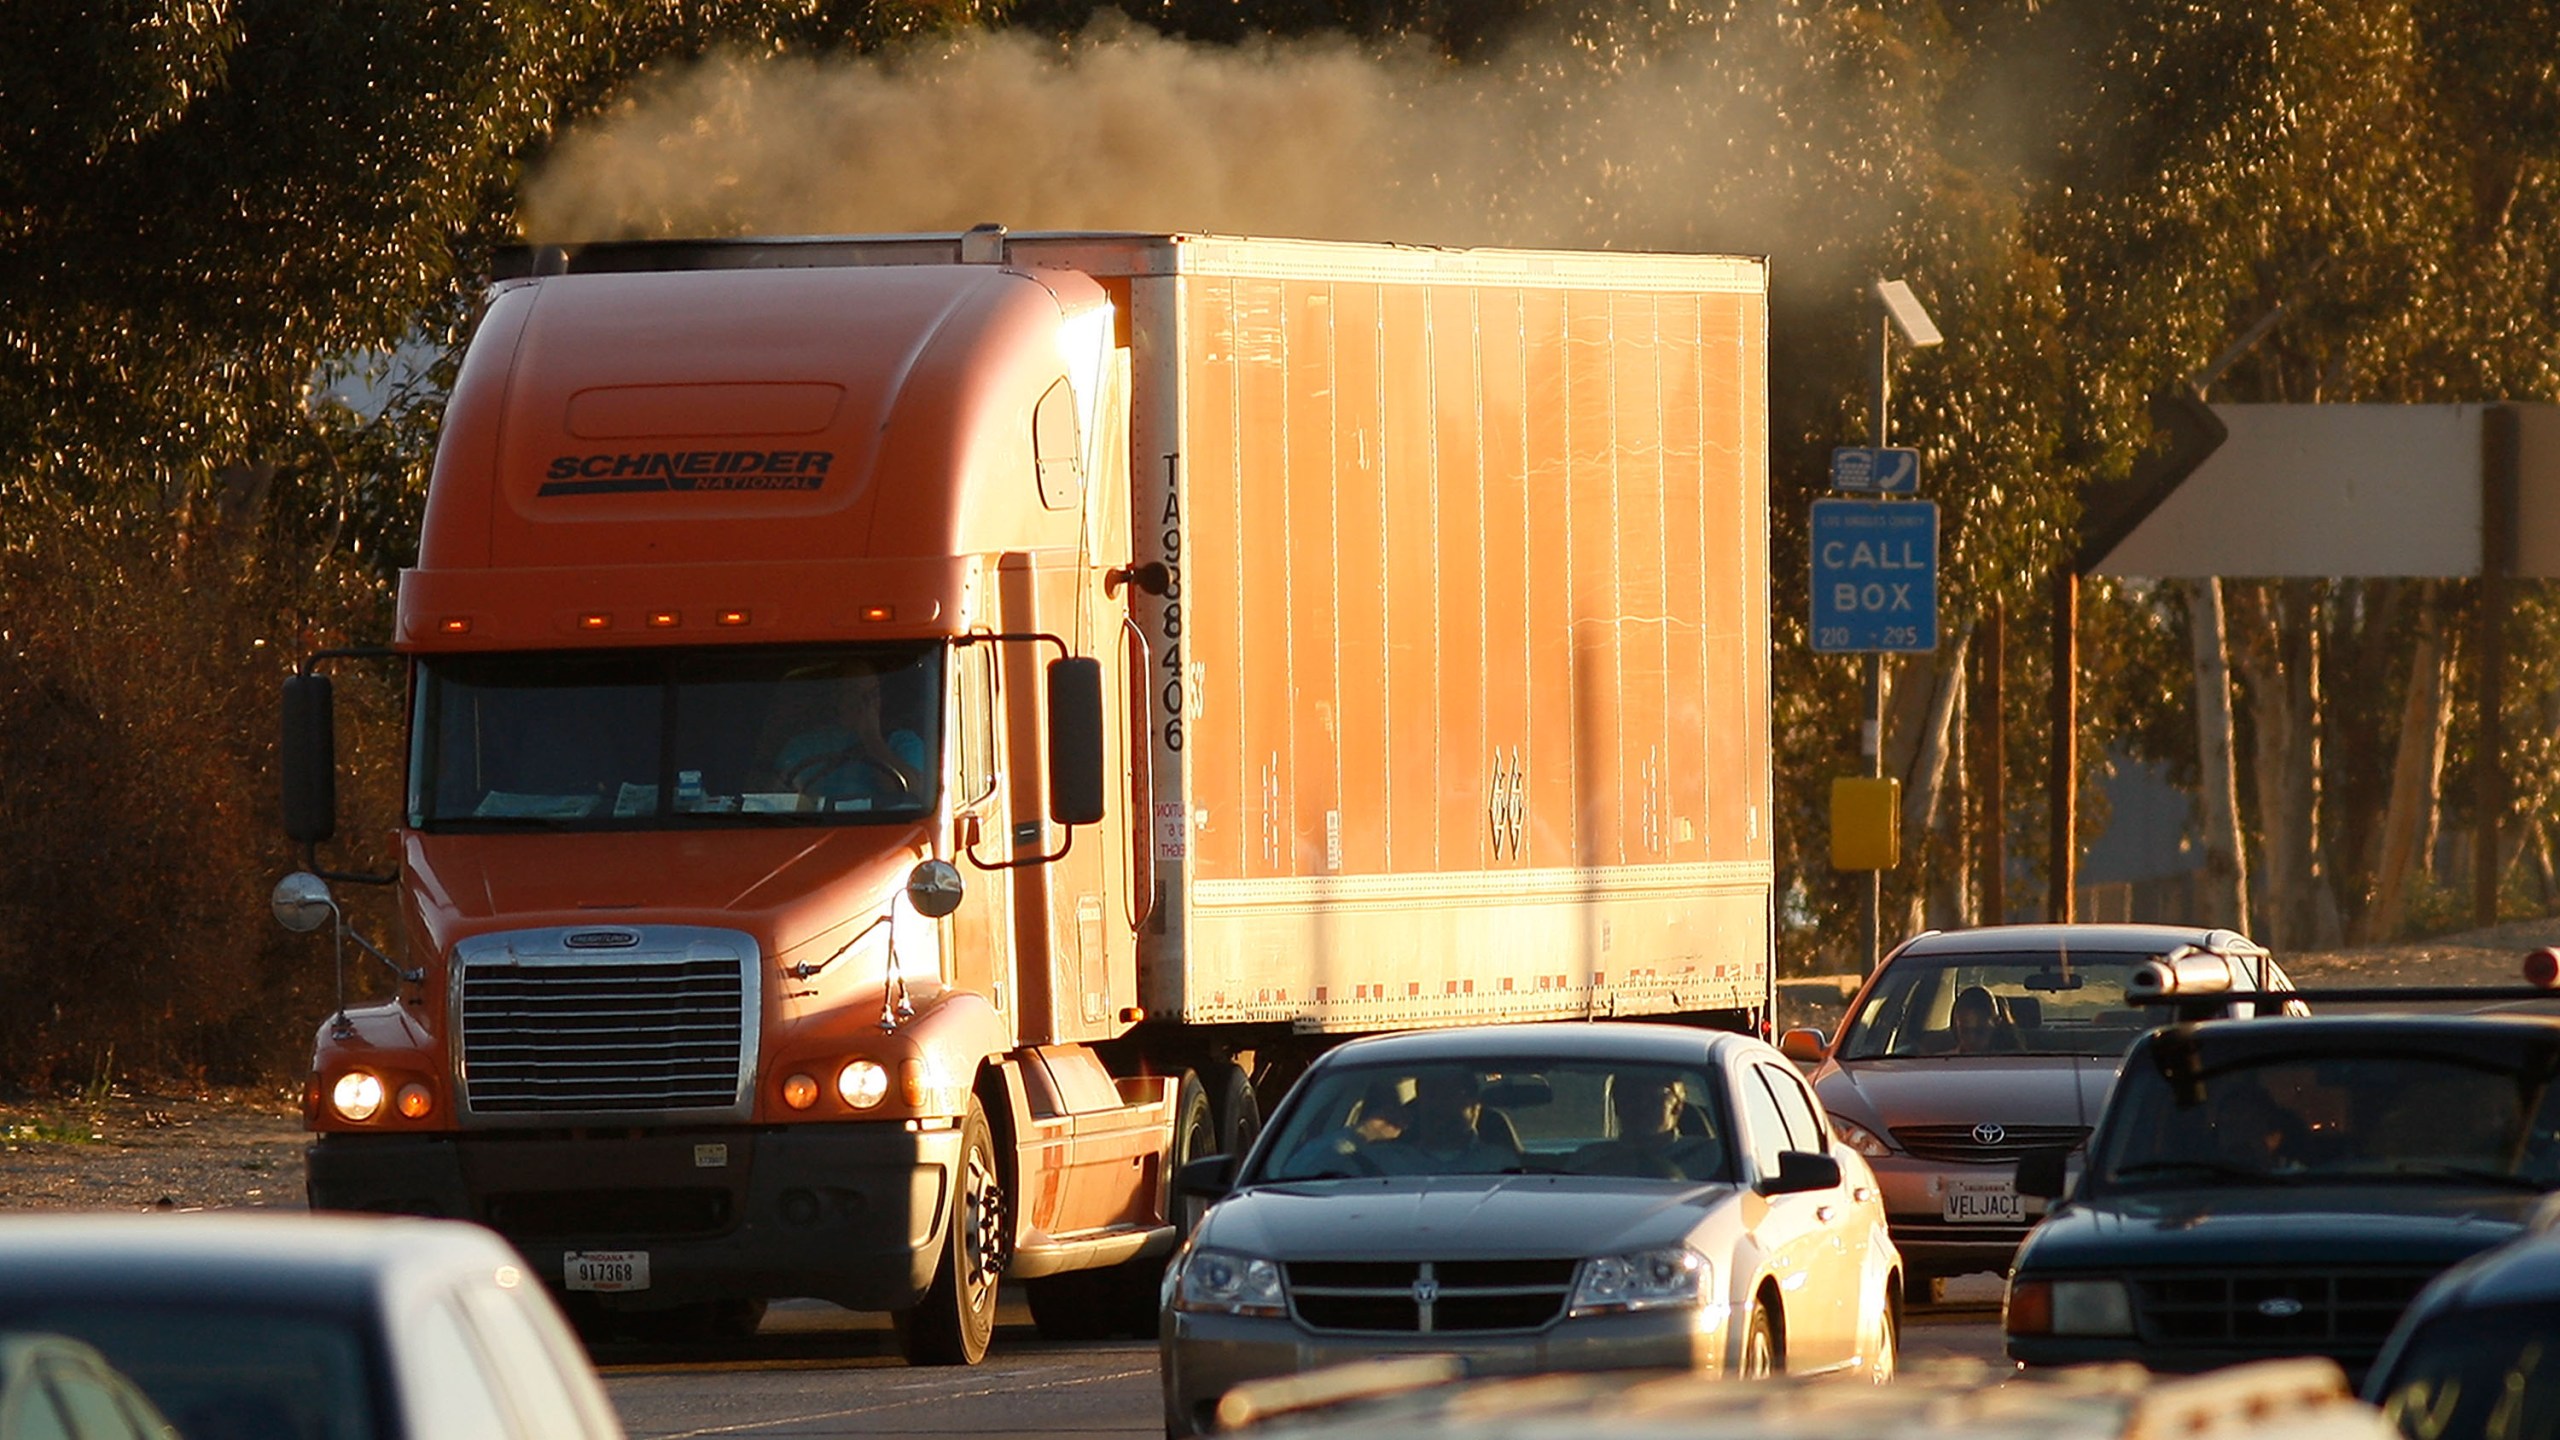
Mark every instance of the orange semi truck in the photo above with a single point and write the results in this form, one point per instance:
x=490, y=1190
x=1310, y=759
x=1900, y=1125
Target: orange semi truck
x=911, y=738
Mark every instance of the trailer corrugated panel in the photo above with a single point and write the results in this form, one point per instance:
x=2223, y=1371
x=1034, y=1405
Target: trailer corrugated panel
x=1470, y=634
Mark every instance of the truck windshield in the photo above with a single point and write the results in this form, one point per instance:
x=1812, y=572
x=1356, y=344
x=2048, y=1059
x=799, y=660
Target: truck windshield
x=664, y=740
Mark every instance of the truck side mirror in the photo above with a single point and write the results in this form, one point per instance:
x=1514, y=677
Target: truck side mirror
x=308, y=759
x=1076, y=792
x=2044, y=1174
x=1804, y=1045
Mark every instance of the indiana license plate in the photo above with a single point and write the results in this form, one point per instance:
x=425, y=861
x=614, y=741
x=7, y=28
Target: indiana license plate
x=1982, y=1202
x=607, y=1270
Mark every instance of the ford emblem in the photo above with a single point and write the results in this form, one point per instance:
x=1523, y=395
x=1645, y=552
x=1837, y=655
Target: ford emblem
x=2280, y=1307
x=1987, y=1133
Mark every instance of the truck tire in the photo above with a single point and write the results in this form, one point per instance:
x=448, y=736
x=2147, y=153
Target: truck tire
x=1195, y=1133
x=1239, y=1113
x=956, y=1318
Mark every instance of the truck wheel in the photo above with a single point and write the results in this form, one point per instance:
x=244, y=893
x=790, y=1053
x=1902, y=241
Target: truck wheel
x=1239, y=1113
x=952, y=1324
x=1195, y=1133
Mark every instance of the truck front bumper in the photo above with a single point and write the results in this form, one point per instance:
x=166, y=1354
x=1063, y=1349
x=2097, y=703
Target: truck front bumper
x=851, y=1213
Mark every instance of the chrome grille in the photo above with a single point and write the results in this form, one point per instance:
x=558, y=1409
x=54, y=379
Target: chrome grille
x=1960, y=1144
x=2278, y=1311
x=1430, y=1296
x=549, y=1032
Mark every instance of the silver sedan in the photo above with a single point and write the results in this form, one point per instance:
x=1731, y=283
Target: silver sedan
x=1534, y=1197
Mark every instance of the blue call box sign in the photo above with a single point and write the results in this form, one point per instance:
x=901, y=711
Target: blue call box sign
x=1875, y=470
x=1875, y=575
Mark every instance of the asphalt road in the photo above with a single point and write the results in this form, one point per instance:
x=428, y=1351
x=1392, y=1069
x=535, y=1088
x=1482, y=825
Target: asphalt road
x=814, y=1371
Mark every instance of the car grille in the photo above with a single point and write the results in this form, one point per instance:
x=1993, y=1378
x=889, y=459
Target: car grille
x=1963, y=1145
x=2279, y=1311
x=656, y=1029
x=1430, y=1296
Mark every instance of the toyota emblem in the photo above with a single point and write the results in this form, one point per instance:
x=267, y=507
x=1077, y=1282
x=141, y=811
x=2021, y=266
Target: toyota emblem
x=2280, y=1307
x=1987, y=1133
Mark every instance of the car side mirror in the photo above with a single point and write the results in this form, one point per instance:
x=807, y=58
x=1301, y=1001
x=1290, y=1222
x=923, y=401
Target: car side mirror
x=1208, y=1178
x=1805, y=1045
x=2044, y=1174
x=1801, y=1170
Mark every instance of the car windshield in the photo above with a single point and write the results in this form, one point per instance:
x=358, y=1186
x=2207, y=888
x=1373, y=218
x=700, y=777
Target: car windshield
x=1635, y=1120
x=2414, y=1117
x=2007, y=1004
x=2485, y=1372
x=225, y=1372
x=661, y=740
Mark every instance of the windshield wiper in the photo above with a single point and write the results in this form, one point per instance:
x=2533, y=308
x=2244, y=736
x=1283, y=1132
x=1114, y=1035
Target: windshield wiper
x=2438, y=1170
x=2217, y=1168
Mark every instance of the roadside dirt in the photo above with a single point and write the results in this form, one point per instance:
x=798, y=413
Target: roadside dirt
x=144, y=1149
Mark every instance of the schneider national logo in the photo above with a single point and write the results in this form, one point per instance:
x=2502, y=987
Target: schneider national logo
x=633, y=472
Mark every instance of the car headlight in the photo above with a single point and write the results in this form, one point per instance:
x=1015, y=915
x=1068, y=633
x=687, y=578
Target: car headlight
x=1644, y=1280
x=1225, y=1283
x=2068, y=1307
x=1859, y=1138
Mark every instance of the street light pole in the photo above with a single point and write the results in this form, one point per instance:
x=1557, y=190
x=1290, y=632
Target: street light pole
x=1902, y=311
x=1871, y=733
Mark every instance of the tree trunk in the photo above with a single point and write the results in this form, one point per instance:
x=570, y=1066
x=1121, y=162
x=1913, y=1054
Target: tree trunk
x=2222, y=895
x=2408, y=822
x=1925, y=768
x=2280, y=656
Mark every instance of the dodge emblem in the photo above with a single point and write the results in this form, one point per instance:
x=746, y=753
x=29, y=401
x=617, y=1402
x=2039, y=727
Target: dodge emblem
x=1987, y=1133
x=1425, y=1290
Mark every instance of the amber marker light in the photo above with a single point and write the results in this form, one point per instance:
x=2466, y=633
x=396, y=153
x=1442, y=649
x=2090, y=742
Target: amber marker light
x=455, y=625
x=876, y=614
x=732, y=617
x=595, y=620
x=414, y=1101
x=800, y=1092
x=664, y=619
x=357, y=1095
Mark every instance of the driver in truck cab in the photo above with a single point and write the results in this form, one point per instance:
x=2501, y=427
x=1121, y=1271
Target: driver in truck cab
x=851, y=758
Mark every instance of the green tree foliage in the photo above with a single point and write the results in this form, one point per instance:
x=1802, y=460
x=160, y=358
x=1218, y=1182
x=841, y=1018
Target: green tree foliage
x=240, y=242
x=210, y=211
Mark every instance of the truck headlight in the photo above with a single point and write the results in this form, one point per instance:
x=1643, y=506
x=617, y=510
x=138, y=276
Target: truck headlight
x=1643, y=1280
x=1223, y=1282
x=1859, y=1138
x=2068, y=1307
x=862, y=1083
x=357, y=1095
